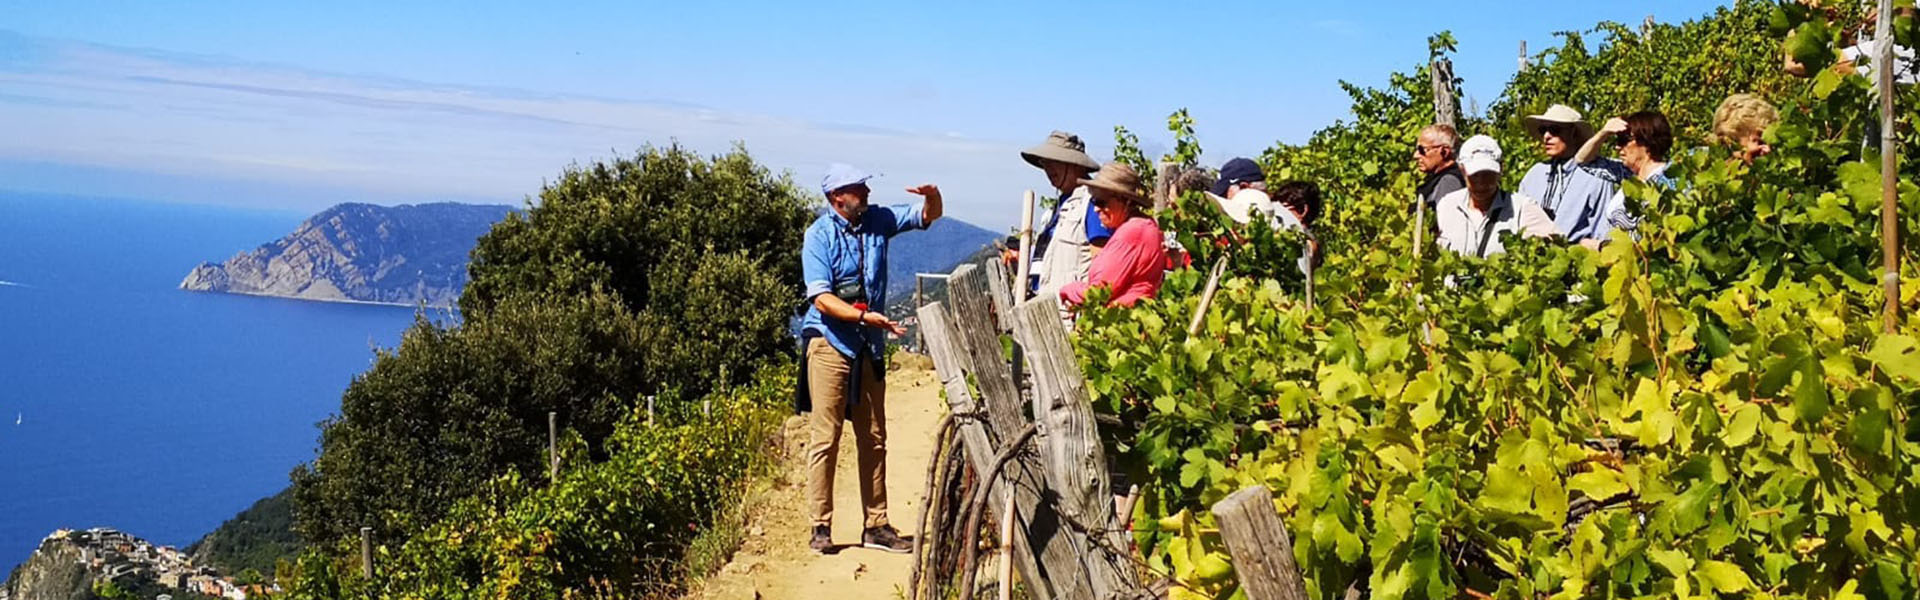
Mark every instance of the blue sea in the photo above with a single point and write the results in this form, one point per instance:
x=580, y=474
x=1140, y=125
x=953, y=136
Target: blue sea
x=126, y=402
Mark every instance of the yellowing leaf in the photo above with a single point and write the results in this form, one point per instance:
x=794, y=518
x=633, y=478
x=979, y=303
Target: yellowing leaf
x=1741, y=428
x=1725, y=577
x=1599, y=484
x=1897, y=355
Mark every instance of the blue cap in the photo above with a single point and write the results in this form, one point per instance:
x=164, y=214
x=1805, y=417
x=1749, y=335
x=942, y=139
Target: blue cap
x=1237, y=171
x=841, y=175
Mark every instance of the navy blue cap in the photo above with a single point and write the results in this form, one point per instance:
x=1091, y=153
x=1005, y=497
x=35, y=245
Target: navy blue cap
x=1239, y=170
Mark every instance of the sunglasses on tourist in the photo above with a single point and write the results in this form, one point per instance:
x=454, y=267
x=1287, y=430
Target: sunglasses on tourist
x=1559, y=131
x=1622, y=141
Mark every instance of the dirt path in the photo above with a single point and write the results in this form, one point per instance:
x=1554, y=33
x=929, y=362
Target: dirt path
x=774, y=562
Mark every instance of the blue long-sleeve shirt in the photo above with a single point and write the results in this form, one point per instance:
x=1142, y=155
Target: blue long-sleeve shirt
x=1575, y=194
x=836, y=253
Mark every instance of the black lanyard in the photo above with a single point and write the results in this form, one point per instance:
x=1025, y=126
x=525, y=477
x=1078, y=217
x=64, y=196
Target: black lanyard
x=852, y=233
x=1556, y=188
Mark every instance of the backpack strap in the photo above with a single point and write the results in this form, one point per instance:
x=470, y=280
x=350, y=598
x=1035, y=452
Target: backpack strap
x=1492, y=218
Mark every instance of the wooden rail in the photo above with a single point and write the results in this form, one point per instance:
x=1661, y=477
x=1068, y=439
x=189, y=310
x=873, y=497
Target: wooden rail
x=1067, y=541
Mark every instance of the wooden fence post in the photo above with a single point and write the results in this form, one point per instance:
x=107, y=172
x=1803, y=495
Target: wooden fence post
x=1257, y=540
x=1020, y=275
x=1075, y=460
x=1164, y=194
x=1523, y=55
x=1445, y=110
x=553, y=446
x=953, y=365
x=366, y=552
x=1884, y=64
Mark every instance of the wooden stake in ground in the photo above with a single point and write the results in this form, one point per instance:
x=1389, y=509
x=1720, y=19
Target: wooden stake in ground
x=1206, y=295
x=366, y=552
x=1020, y=287
x=1005, y=571
x=1257, y=539
x=1883, y=66
x=1445, y=112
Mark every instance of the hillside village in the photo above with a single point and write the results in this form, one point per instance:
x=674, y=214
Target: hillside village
x=113, y=556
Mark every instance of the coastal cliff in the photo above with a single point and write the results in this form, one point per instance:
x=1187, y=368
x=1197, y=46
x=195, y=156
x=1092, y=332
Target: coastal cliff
x=57, y=571
x=406, y=254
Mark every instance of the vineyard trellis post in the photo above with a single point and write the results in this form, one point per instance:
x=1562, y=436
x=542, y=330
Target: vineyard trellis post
x=1026, y=244
x=366, y=552
x=919, y=300
x=1883, y=67
x=920, y=337
x=1523, y=55
x=553, y=446
x=1261, y=549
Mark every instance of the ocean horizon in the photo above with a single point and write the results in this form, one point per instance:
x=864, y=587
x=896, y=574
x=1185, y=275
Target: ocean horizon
x=126, y=402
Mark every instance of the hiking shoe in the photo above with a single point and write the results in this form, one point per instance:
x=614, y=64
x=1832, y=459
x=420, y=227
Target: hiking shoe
x=822, y=539
x=885, y=538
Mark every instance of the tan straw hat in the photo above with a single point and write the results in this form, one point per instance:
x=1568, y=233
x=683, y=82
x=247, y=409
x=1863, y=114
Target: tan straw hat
x=1062, y=147
x=1118, y=179
x=1559, y=114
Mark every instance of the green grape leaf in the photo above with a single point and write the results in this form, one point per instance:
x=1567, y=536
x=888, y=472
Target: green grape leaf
x=1741, y=428
x=1898, y=355
x=1599, y=484
x=1810, y=399
x=1725, y=577
x=1507, y=490
x=1869, y=429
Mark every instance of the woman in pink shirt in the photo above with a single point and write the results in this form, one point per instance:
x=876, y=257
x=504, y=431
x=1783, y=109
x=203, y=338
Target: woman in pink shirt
x=1134, y=259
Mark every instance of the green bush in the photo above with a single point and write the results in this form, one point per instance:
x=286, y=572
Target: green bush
x=616, y=528
x=628, y=279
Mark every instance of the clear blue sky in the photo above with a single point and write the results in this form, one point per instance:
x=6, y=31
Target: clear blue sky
x=299, y=105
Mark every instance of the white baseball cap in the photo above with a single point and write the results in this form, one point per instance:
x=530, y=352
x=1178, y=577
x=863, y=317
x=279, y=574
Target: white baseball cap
x=1479, y=153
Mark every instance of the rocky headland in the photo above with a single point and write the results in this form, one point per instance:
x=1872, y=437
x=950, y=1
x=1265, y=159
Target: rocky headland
x=406, y=255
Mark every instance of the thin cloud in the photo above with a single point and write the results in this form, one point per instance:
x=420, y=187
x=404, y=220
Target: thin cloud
x=209, y=116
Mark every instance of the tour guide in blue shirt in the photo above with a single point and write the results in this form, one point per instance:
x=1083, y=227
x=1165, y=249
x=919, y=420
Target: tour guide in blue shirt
x=844, y=263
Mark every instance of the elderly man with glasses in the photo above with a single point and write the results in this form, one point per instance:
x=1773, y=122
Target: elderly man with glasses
x=1575, y=194
x=1434, y=154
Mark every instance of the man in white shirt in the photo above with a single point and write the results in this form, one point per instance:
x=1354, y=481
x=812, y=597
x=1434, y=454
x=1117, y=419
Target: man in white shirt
x=1471, y=220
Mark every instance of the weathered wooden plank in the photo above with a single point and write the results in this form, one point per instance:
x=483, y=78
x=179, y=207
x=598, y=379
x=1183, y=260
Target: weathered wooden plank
x=1000, y=289
x=1076, y=466
x=970, y=301
x=951, y=365
x=1257, y=539
x=978, y=328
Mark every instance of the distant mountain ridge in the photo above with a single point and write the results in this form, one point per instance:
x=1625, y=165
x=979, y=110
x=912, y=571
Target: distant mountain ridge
x=353, y=252
x=939, y=249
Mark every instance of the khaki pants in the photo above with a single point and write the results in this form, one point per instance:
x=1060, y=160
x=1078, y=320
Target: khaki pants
x=827, y=384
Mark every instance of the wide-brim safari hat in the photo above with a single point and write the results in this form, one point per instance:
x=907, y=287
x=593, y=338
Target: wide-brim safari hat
x=1120, y=180
x=1559, y=114
x=1060, y=146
